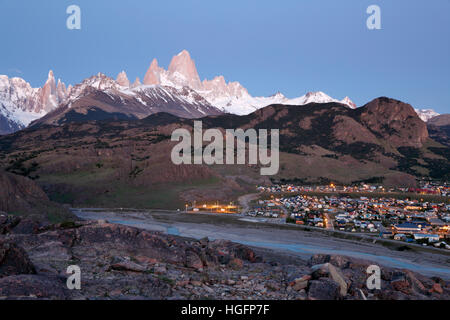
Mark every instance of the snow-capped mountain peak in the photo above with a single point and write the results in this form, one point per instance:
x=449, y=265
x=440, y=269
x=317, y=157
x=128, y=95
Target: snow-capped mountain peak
x=312, y=97
x=320, y=97
x=230, y=97
x=278, y=95
x=136, y=83
x=426, y=114
x=349, y=102
x=317, y=96
x=153, y=75
x=182, y=72
x=122, y=79
x=182, y=69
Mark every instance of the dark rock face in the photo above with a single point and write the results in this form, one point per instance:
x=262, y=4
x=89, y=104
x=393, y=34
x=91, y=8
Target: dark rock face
x=440, y=134
x=23, y=196
x=26, y=226
x=32, y=287
x=116, y=261
x=18, y=192
x=439, y=128
x=442, y=120
x=193, y=261
x=119, y=262
x=8, y=126
x=14, y=260
x=323, y=289
x=7, y=223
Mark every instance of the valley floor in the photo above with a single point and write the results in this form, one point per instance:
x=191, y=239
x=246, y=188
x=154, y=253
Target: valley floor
x=276, y=238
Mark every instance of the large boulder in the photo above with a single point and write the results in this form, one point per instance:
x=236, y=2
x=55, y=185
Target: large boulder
x=323, y=289
x=14, y=260
x=7, y=223
x=328, y=270
x=193, y=260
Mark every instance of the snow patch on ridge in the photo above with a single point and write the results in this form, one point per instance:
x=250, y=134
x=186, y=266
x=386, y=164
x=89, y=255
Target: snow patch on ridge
x=426, y=114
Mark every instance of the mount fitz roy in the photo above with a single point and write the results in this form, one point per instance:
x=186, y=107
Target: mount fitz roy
x=229, y=97
x=177, y=90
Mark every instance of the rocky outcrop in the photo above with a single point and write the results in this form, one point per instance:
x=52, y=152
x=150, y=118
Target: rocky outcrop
x=18, y=193
x=323, y=289
x=394, y=121
x=334, y=273
x=33, y=287
x=14, y=260
x=7, y=223
x=396, y=284
x=24, y=197
x=119, y=262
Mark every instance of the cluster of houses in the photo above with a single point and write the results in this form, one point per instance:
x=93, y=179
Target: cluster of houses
x=434, y=188
x=289, y=188
x=425, y=187
x=403, y=220
x=305, y=210
x=266, y=209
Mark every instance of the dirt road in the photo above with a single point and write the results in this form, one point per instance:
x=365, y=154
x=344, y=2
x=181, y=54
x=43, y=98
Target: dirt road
x=244, y=201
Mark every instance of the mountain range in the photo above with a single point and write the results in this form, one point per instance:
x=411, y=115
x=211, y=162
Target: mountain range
x=127, y=162
x=177, y=90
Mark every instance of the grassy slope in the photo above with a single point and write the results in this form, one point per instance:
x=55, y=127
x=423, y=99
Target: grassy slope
x=87, y=188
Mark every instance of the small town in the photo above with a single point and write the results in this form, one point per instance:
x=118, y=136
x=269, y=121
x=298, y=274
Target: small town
x=402, y=219
x=409, y=220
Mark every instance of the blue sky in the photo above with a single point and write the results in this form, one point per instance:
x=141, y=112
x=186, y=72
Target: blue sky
x=288, y=46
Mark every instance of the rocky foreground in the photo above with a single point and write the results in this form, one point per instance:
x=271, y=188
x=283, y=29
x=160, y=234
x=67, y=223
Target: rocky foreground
x=119, y=262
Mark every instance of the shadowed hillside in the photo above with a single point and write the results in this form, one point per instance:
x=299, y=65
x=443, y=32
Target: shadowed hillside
x=23, y=197
x=127, y=163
